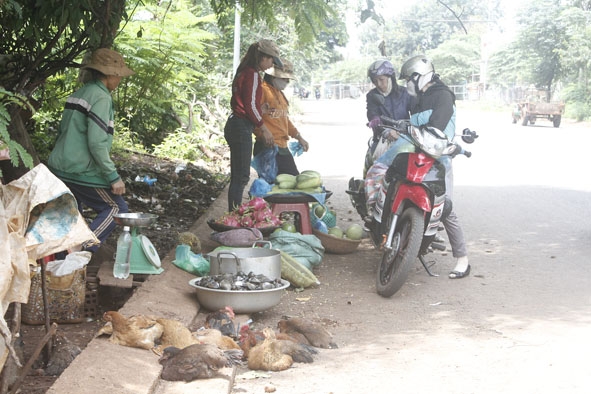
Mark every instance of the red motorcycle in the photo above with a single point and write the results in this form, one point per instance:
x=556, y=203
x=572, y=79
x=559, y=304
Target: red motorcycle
x=411, y=204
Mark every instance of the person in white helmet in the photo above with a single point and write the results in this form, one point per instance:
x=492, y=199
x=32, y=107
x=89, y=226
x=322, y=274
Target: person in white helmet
x=436, y=108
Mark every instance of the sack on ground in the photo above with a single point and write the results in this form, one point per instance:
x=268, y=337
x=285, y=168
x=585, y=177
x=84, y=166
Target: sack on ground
x=238, y=237
x=305, y=248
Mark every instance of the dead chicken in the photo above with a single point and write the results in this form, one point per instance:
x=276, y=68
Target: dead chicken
x=199, y=361
x=175, y=334
x=134, y=331
x=274, y=354
x=222, y=320
x=215, y=337
x=307, y=331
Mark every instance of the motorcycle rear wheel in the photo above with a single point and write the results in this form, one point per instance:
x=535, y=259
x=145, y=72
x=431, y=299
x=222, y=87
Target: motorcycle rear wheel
x=396, y=263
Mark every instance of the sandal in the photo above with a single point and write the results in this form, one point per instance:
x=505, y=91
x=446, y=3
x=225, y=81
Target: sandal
x=459, y=275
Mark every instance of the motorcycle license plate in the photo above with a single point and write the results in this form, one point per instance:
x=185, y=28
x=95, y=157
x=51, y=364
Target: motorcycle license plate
x=435, y=218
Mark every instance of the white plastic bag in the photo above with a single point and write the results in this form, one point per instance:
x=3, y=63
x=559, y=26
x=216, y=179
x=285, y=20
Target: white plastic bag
x=73, y=261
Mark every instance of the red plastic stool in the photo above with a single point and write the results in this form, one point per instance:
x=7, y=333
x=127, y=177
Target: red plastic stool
x=305, y=225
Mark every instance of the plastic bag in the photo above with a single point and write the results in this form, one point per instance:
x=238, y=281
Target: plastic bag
x=305, y=248
x=259, y=188
x=265, y=164
x=191, y=262
x=296, y=148
x=72, y=262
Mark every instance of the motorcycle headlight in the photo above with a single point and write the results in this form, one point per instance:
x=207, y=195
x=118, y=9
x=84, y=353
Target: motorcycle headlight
x=432, y=141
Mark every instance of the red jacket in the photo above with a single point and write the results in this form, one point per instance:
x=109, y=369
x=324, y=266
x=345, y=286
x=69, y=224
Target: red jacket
x=246, y=96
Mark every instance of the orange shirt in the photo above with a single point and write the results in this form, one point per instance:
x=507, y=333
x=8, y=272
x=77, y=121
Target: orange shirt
x=276, y=115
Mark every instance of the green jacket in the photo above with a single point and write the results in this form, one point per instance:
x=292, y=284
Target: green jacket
x=82, y=152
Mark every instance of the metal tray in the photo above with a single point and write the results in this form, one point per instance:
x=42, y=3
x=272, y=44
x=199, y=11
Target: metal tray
x=293, y=198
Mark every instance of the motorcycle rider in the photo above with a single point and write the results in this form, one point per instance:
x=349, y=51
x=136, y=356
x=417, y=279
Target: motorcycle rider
x=387, y=98
x=391, y=100
x=436, y=108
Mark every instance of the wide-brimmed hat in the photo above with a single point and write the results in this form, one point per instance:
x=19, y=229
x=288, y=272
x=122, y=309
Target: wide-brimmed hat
x=108, y=62
x=268, y=47
x=286, y=71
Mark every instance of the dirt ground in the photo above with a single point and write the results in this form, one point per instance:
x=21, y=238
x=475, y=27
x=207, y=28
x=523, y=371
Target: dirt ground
x=181, y=194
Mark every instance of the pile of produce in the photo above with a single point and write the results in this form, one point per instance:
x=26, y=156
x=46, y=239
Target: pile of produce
x=354, y=232
x=255, y=213
x=308, y=181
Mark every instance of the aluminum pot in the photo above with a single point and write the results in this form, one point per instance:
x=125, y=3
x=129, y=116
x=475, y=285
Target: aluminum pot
x=248, y=301
x=264, y=261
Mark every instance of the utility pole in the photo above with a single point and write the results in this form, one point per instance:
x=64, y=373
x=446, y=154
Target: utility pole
x=237, y=11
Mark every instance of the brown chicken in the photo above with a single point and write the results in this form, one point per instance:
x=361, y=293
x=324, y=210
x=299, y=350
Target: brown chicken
x=274, y=354
x=215, y=337
x=222, y=320
x=135, y=331
x=175, y=334
x=199, y=361
x=305, y=330
x=250, y=338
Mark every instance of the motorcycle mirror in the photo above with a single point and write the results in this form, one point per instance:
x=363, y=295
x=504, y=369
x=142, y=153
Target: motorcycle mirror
x=468, y=136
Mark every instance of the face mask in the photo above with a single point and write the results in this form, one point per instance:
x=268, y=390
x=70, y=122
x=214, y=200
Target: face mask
x=423, y=80
x=280, y=83
x=411, y=88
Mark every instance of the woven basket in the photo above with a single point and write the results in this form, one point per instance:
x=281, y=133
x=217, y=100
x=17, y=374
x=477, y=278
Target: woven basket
x=336, y=245
x=328, y=217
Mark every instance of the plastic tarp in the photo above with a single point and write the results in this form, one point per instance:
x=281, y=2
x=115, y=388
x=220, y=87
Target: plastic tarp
x=38, y=217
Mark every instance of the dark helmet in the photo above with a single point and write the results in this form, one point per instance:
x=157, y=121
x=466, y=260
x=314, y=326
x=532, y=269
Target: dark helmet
x=416, y=65
x=380, y=67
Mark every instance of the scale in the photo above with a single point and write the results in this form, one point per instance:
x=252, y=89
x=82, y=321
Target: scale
x=144, y=258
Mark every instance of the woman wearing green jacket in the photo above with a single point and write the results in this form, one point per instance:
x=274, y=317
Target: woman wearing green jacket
x=81, y=156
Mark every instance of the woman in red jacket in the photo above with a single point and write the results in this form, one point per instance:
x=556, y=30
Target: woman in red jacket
x=247, y=115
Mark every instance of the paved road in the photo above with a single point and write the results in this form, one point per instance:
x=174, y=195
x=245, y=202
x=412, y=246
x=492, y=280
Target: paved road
x=522, y=321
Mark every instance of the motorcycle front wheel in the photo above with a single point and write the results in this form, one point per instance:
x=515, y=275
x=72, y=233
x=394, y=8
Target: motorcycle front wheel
x=396, y=263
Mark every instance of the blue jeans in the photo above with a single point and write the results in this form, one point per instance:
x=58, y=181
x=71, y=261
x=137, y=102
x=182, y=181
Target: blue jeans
x=238, y=134
x=105, y=204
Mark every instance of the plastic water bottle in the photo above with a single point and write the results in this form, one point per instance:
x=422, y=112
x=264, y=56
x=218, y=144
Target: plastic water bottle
x=121, y=267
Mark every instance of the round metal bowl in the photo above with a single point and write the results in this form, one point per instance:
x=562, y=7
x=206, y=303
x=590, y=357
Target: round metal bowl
x=247, y=301
x=135, y=219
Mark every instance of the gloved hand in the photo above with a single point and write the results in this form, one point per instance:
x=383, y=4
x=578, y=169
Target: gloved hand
x=375, y=122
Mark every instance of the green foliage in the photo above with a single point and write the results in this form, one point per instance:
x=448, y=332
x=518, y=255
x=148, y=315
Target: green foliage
x=16, y=150
x=578, y=102
x=457, y=60
x=311, y=18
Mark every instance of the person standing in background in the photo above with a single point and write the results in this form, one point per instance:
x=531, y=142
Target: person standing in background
x=247, y=115
x=81, y=155
x=276, y=116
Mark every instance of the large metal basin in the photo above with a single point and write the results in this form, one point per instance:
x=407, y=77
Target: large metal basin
x=258, y=260
x=248, y=301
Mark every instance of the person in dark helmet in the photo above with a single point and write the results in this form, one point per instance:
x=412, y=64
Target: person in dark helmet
x=396, y=101
x=388, y=99
x=436, y=108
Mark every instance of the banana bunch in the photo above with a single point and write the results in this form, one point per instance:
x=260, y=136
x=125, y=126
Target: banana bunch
x=305, y=181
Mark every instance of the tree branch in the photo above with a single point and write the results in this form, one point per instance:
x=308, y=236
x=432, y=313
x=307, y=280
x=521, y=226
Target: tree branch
x=454, y=14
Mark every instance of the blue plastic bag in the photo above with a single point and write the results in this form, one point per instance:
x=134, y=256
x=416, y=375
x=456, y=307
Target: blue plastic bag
x=265, y=164
x=296, y=148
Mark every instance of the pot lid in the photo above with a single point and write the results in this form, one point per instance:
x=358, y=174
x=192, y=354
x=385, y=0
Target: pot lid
x=150, y=251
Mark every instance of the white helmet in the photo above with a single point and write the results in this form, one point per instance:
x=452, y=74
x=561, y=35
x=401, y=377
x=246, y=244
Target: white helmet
x=416, y=65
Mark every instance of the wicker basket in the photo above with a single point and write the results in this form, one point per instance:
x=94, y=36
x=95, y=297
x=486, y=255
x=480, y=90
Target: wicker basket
x=336, y=245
